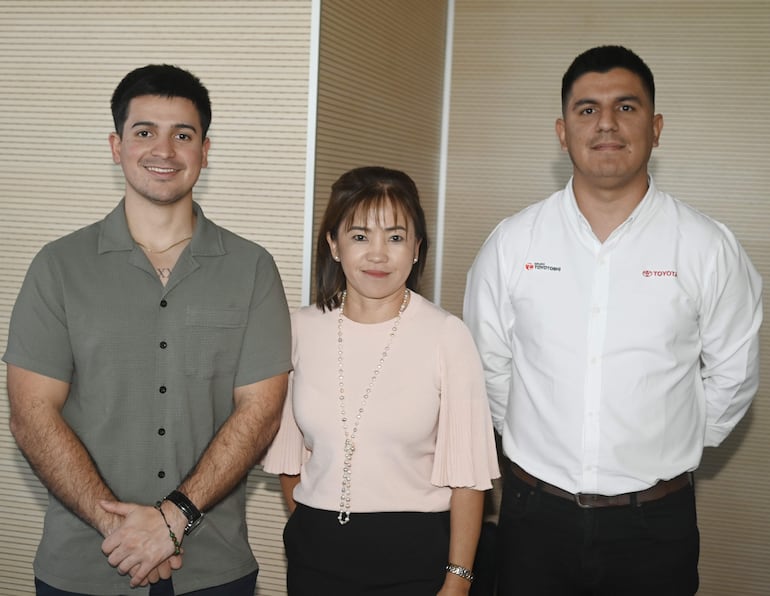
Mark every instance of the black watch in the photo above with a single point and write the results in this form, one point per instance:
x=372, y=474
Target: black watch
x=190, y=511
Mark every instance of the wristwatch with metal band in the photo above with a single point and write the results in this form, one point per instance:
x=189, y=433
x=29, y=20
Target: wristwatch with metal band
x=190, y=511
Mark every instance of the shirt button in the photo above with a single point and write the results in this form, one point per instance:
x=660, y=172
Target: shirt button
x=163, y=345
x=161, y=431
x=163, y=303
x=161, y=474
x=162, y=389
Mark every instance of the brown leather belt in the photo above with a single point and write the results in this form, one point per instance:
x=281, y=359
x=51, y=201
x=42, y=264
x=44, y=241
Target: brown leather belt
x=589, y=501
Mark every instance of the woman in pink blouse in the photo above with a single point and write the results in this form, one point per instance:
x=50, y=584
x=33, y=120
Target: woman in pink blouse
x=386, y=445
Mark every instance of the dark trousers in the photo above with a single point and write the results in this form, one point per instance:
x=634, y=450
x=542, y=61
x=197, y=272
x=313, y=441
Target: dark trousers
x=387, y=554
x=549, y=546
x=240, y=587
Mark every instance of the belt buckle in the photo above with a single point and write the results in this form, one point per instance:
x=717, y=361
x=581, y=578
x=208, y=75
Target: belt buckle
x=578, y=500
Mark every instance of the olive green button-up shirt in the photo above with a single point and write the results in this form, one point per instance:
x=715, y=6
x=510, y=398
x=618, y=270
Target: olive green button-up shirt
x=152, y=371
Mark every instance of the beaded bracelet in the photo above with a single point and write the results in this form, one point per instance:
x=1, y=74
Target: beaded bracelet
x=177, y=546
x=463, y=572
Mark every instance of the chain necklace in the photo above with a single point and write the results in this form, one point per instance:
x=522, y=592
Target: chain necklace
x=350, y=435
x=157, y=252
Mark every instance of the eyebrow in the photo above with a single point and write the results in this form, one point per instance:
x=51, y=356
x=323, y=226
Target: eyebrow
x=390, y=229
x=621, y=99
x=181, y=125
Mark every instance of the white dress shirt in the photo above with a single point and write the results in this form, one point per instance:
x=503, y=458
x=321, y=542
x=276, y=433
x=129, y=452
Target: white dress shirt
x=611, y=365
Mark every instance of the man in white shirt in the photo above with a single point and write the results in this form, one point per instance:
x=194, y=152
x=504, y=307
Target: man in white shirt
x=618, y=329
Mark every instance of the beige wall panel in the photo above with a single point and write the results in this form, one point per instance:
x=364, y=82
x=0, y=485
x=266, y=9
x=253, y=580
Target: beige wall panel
x=59, y=63
x=711, y=61
x=379, y=95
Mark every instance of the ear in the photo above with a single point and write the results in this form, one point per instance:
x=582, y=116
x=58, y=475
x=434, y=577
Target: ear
x=114, y=140
x=657, y=128
x=205, y=151
x=561, y=133
x=332, y=243
x=417, y=249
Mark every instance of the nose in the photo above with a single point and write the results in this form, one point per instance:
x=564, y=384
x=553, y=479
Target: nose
x=164, y=146
x=607, y=120
x=377, y=253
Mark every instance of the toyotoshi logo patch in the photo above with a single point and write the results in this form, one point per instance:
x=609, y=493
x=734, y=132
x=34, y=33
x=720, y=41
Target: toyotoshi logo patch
x=539, y=266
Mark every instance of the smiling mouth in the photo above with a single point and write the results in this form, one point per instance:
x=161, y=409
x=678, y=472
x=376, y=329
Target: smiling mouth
x=160, y=170
x=376, y=273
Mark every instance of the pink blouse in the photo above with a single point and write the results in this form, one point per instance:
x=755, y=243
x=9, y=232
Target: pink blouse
x=425, y=428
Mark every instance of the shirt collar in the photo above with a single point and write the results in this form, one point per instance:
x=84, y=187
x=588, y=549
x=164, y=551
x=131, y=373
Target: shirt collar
x=114, y=234
x=647, y=202
x=645, y=206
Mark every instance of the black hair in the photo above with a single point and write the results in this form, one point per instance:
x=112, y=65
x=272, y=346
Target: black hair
x=165, y=81
x=603, y=59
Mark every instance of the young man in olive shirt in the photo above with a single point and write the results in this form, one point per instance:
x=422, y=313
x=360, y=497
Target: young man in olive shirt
x=147, y=363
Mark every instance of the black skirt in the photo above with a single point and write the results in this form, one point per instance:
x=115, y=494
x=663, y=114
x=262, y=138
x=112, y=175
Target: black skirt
x=383, y=554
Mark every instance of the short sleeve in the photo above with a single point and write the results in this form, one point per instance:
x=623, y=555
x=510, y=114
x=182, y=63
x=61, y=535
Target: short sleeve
x=465, y=456
x=266, y=349
x=38, y=337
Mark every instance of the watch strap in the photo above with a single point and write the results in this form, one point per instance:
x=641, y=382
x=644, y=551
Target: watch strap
x=188, y=509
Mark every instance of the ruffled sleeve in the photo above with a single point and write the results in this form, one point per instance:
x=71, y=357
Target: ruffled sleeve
x=465, y=446
x=287, y=452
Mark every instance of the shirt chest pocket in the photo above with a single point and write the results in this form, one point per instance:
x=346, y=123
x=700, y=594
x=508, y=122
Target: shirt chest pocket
x=213, y=339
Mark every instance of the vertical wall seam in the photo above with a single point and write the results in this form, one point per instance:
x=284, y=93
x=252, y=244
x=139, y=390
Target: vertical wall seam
x=310, y=152
x=443, y=153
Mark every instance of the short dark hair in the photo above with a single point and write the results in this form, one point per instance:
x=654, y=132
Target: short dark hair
x=603, y=59
x=165, y=81
x=362, y=189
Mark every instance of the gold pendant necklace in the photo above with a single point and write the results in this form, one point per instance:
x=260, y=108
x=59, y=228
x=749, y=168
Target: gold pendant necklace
x=157, y=252
x=350, y=436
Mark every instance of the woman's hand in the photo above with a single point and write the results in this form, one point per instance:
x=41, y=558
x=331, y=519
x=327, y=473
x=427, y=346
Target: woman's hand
x=454, y=585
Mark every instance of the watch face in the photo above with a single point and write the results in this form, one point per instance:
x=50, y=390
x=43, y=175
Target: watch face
x=192, y=524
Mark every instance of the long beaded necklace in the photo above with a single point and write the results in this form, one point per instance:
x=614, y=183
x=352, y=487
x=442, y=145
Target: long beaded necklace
x=350, y=436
